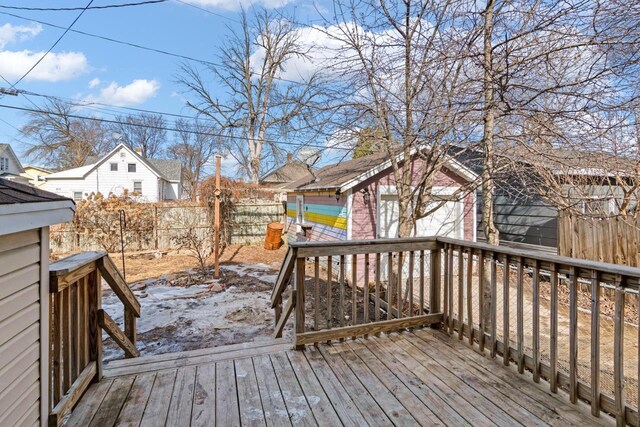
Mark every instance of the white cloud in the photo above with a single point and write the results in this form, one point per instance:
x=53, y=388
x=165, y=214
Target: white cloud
x=94, y=82
x=12, y=33
x=237, y=4
x=54, y=67
x=135, y=93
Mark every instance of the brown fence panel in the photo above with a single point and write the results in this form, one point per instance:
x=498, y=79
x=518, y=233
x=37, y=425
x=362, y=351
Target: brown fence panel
x=611, y=240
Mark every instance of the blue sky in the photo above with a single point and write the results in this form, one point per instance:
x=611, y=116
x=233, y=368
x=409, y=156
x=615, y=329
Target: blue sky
x=85, y=68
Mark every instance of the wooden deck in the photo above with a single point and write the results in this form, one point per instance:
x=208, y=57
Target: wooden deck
x=422, y=377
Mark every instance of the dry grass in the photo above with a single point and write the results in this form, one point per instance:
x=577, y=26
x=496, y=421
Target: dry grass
x=143, y=266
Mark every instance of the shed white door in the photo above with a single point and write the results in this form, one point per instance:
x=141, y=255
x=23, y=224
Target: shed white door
x=446, y=221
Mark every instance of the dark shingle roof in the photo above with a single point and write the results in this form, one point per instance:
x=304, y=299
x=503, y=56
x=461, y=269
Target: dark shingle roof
x=336, y=175
x=170, y=169
x=289, y=172
x=12, y=193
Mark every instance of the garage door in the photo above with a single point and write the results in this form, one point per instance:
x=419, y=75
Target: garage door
x=445, y=221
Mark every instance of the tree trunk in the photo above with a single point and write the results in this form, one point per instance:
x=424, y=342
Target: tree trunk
x=488, y=185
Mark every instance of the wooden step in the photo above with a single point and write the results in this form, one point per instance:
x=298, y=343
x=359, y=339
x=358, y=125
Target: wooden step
x=158, y=362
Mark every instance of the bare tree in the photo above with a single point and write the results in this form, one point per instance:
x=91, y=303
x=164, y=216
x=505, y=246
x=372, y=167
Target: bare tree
x=261, y=107
x=403, y=65
x=143, y=132
x=194, y=146
x=64, y=142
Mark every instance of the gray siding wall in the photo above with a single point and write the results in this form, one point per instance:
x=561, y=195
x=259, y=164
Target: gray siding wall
x=523, y=220
x=20, y=328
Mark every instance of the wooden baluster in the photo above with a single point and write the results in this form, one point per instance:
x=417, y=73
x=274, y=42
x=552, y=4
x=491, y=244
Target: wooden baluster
x=329, y=291
x=450, y=284
x=536, y=321
x=460, y=293
x=95, y=334
x=75, y=331
x=84, y=292
x=520, y=314
x=595, y=343
x=421, y=284
x=505, y=310
x=410, y=283
x=130, y=325
x=638, y=360
x=447, y=273
x=618, y=355
x=354, y=290
x=56, y=327
x=366, y=288
x=377, y=290
x=316, y=293
x=66, y=339
x=342, y=279
x=299, y=296
x=494, y=306
x=399, y=293
x=435, y=278
x=553, y=335
x=470, y=295
x=481, y=315
x=573, y=335
x=389, y=284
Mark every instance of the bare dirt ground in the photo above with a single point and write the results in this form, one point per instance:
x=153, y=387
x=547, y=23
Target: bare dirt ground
x=184, y=309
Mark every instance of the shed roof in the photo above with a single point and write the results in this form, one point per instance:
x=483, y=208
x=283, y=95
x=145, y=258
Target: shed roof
x=13, y=192
x=345, y=175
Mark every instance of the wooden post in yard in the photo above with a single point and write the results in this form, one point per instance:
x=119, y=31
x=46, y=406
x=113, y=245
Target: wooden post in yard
x=216, y=250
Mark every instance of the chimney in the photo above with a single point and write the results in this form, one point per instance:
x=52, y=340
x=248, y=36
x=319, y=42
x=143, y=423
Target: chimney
x=138, y=150
x=289, y=157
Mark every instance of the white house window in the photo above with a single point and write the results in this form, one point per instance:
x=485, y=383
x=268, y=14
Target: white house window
x=131, y=167
x=4, y=164
x=114, y=167
x=137, y=187
x=77, y=195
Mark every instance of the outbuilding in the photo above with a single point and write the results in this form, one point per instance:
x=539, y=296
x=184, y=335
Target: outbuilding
x=25, y=216
x=357, y=200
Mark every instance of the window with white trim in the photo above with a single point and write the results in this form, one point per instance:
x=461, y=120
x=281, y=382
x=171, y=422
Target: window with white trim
x=131, y=167
x=77, y=195
x=113, y=167
x=137, y=187
x=4, y=164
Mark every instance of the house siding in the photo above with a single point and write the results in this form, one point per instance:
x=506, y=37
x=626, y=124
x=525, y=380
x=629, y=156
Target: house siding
x=20, y=290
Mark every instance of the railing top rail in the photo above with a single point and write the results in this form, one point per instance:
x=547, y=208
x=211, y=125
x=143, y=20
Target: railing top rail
x=71, y=263
x=584, y=264
x=369, y=242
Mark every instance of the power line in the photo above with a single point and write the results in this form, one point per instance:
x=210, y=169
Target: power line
x=54, y=45
x=66, y=9
x=165, y=128
x=135, y=45
x=219, y=15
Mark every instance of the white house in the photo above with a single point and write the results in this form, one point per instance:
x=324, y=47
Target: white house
x=122, y=169
x=10, y=166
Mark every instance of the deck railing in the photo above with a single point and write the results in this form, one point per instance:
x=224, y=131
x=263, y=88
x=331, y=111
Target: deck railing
x=76, y=319
x=571, y=322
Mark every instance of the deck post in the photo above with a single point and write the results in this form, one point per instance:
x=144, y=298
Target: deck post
x=435, y=282
x=95, y=333
x=299, y=295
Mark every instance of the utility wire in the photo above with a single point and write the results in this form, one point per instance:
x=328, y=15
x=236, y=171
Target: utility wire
x=54, y=45
x=66, y=9
x=137, y=46
x=171, y=129
x=219, y=15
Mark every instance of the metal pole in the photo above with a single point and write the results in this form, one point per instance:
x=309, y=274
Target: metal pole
x=217, y=219
x=123, y=224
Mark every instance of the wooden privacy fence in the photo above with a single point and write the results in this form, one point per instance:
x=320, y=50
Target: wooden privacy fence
x=522, y=306
x=612, y=240
x=247, y=225
x=76, y=318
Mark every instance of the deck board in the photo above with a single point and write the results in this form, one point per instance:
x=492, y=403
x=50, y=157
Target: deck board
x=421, y=377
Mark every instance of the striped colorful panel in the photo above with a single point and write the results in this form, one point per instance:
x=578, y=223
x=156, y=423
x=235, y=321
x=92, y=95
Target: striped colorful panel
x=333, y=216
